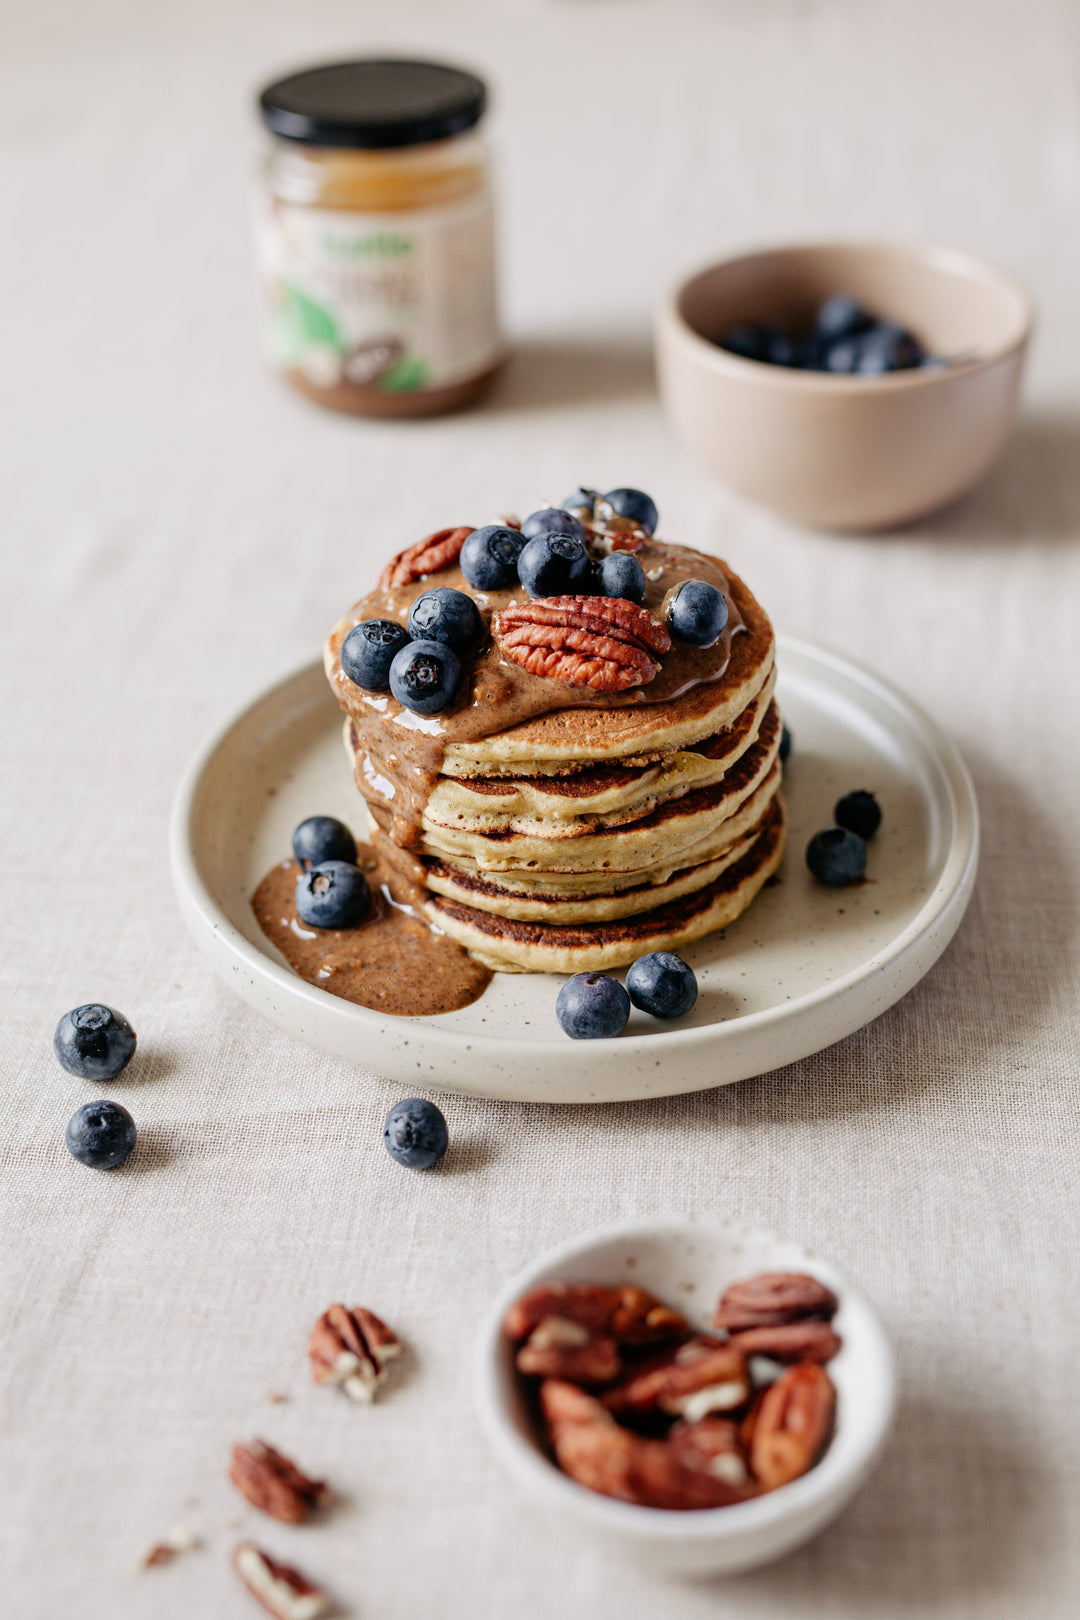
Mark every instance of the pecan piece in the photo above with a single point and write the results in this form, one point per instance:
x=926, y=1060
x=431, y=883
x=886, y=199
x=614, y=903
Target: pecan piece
x=630, y=1315
x=278, y=1587
x=599, y=641
x=809, y=1340
x=275, y=1485
x=641, y=1318
x=351, y=1347
x=562, y=1348
x=703, y=1375
x=712, y=1445
x=793, y=1422
x=772, y=1299
x=427, y=556
x=591, y=1447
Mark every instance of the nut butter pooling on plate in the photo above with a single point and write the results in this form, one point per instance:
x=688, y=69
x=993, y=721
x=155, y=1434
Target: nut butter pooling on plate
x=375, y=237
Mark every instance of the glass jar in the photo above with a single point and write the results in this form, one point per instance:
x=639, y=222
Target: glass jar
x=375, y=237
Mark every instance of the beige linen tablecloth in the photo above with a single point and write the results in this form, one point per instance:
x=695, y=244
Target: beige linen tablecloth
x=178, y=532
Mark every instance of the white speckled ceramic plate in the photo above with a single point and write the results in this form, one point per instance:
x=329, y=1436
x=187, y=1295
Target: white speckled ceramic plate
x=802, y=968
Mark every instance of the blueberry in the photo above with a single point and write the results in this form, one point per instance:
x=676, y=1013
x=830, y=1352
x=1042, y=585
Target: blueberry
x=100, y=1134
x=448, y=616
x=842, y=357
x=489, y=557
x=94, y=1042
x=662, y=984
x=334, y=894
x=749, y=340
x=552, y=520
x=783, y=350
x=698, y=613
x=887, y=347
x=836, y=857
x=322, y=838
x=635, y=505
x=580, y=501
x=785, y=743
x=622, y=575
x=415, y=1133
x=591, y=1007
x=555, y=565
x=859, y=812
x=368, y=651
x=424, y=676
x=841, y=317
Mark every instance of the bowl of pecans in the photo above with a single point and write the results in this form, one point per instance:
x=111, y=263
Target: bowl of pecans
x=700, y=1396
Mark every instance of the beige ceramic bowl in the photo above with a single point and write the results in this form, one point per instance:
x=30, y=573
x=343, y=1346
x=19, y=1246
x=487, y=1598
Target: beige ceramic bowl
x=842, y=452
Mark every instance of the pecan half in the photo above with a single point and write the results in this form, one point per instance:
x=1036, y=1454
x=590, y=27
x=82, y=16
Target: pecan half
x=630, y=1315
x=599, y=641
x=351, y=1347
x=275, y=1485
x=701, y=1376
x=563, y=1348
x=793, y=1422
x=427, y=556
x=591, y=1447
x=278, y=1587
x=712, y=1446
x=809, y=1340
x=179, y=1540
x=772, y=1299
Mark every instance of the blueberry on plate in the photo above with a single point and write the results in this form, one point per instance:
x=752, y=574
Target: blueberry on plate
x=785, y=743
x=662, y=984
x=592, y=1007
x=334, y=894
x=621, y=575
x=552, y=520
x=836, y=857
x=449, y=616
x=415, y=1133
x=322, y=838
x=555, y=565
x=749, y=340
x=581, y=502
x=424, y=676
x=698, y=613
x=841, y=317
x=859, y=812
x=489, y=557
x=94, y=1042
x=100, y=1134
x=368, y=651
x=634, y=505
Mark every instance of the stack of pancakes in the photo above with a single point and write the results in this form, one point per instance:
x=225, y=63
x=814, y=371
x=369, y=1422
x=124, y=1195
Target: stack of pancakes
x=587, y=836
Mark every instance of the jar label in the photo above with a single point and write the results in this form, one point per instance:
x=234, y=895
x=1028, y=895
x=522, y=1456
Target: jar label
x=395, y=302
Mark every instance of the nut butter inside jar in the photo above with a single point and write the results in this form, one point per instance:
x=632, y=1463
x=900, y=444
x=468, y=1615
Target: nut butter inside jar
x=375, y=237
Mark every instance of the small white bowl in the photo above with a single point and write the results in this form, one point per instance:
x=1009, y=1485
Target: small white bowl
x=689, y=1263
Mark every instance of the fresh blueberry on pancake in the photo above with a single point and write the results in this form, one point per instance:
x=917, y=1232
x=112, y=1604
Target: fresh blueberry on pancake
x=621, y=575
x=415, y=1133
x=424, y=676
x=591, y=1007
x=94, y=1042
x=368, y=651
x=322, y=838
x=334, y=894
x=698, y=613
x=555, y=565
x=581, y=502
x=859, y=812
x=449, y=616
x=552, y=520
x=489, y=557
x=662, y=984
x=836, y=857
x=632, y=504
x=100, y=1134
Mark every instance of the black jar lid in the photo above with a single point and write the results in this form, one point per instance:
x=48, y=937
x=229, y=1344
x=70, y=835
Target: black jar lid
x=374, y=104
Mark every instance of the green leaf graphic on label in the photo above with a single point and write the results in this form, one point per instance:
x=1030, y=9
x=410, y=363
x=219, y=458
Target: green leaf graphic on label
x=409, y=373
x=313, y=323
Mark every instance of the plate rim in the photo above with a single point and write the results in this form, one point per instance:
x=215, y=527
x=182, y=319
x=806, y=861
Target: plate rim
x=953, y=884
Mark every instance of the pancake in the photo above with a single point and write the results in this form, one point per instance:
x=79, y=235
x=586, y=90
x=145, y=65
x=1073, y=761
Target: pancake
x=512, y=946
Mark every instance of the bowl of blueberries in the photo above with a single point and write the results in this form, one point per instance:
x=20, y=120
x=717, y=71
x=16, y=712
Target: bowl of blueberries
x=849, y=386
